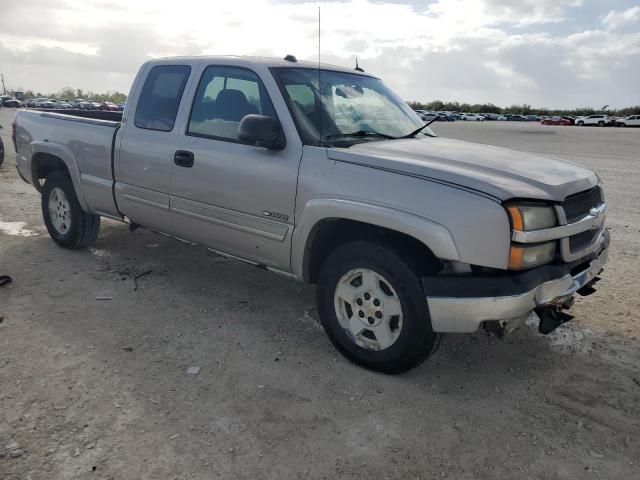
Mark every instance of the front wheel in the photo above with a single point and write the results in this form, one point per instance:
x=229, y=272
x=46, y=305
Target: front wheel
x=601, y=123
x=581, y=124
x=1, y=152
x=67, y=224
x=373, y=308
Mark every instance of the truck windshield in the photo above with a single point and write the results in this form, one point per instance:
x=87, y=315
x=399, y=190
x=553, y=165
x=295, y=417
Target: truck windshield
x=341, y=109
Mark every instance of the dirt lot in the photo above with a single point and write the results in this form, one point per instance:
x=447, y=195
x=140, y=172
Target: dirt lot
x=98, y=388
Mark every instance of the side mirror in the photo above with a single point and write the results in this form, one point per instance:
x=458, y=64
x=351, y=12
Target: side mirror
x=261, y=131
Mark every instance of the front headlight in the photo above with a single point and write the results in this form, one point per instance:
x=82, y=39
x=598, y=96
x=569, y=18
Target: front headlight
x=531, y=216
x=523, y=256
x=525, y=217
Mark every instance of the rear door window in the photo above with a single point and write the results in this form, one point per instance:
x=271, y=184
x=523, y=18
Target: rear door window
x=160, y=97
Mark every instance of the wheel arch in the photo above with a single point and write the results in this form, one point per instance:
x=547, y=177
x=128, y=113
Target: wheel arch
x=327, y=223
x=46, y=158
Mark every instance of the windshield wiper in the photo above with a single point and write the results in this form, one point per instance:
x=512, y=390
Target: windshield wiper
x=418, y=130
x=360, y=133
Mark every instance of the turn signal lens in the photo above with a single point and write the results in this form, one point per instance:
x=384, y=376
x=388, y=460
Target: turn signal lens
x=529, y=256
x=516, y=218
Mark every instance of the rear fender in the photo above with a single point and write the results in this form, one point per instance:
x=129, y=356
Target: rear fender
x=67, y=157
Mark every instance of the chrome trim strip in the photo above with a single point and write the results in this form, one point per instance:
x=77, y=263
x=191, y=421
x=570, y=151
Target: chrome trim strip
x=143, y=196
x=595, y=219
x=144, y=201
x=270, y=229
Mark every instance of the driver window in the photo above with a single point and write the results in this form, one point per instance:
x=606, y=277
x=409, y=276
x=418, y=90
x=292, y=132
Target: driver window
x=224, y=97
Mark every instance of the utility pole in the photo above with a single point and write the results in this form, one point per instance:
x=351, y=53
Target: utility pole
x=4, y=90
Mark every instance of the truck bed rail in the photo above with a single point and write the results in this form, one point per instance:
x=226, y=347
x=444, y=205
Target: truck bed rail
x=95, y=114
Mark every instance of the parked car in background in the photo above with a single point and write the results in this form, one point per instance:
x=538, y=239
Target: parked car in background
x=76, y=102
x=445, y=117
x=109, y=106
x=426, y=115
x=94, y=105
x=556, y=121
x=502, y=118
x=35, y=102
x=62, y=104
x=473, y=117
x=10, y=102
x=599, y=120
x=517, y=118
x=630, y=121
x=532, y=118
x=571, y=120
x=121, y=106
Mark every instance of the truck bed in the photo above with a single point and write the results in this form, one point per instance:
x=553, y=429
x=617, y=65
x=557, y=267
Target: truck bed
x=83, y=143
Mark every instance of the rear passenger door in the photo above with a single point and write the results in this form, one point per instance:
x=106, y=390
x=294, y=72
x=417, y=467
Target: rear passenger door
x=235, y=198
x=145, y=154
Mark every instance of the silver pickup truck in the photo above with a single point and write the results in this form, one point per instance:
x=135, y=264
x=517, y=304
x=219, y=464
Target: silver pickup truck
x=322, y=173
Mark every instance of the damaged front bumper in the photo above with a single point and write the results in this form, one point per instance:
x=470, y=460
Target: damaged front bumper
x=464, y=303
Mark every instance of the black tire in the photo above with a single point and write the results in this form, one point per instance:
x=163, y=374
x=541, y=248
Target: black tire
x=416, y=338
x=82, y=227
x=581, y=124
x=601, y=123
x=1, y=152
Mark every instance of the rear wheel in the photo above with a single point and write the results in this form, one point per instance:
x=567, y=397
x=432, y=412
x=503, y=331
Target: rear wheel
x=601, y=123
x=373, y=308
x=67, y=224
x=1, y=152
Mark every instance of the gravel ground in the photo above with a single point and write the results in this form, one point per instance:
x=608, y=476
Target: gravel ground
x=95, y=388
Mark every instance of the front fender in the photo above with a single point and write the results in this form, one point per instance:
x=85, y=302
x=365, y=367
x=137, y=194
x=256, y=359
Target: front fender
x=434, y=235
x=68, y=158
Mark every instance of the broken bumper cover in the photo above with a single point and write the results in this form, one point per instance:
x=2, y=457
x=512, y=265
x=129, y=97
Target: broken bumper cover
x=461, y=304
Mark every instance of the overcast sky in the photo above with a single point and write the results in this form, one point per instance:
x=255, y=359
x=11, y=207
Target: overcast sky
x=553, y=53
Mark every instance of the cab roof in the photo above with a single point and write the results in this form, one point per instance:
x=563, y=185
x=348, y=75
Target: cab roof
x=256, y=61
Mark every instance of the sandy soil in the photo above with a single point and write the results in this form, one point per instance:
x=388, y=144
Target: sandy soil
x=95, y=388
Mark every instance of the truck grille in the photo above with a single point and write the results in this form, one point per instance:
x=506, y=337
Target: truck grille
x=578, y=206
x=582, y=240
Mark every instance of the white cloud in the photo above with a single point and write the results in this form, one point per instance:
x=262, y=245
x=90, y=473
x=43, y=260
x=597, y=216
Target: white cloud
x=616, y=18
x=450, y=49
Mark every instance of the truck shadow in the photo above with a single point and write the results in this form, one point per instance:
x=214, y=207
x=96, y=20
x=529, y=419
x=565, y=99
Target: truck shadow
x=198, y=276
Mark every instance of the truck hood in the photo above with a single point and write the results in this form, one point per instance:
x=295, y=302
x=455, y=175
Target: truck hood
x=499, y=172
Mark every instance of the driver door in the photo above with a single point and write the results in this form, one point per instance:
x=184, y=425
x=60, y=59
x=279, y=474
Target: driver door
x=231, y=197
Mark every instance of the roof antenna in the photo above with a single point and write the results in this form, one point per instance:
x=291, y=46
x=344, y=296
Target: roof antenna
x=358, y=66
x=319, y=84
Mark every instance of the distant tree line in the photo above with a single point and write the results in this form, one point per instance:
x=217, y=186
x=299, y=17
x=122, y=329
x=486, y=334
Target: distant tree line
x=68, y=93
x=525, y=109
